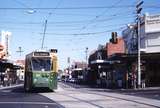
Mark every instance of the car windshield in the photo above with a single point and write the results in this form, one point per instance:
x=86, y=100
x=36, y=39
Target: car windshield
x=41, y=64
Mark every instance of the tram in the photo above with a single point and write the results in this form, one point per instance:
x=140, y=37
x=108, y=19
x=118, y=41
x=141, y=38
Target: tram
x=41, y=70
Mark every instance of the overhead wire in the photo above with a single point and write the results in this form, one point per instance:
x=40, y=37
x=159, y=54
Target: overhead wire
x=77, y=8
x=98, y=16
x=84, y=34
x=69, y=22
x=21, y=27
x=57, y=5
x=24, y=5
x=78, y=34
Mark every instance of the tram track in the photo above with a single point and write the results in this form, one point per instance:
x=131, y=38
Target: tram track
x=116, y=95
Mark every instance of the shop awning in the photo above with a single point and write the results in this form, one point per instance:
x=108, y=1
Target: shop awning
x=105, y=61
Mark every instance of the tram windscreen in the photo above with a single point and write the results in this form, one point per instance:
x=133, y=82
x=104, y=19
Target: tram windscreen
x=41, y=64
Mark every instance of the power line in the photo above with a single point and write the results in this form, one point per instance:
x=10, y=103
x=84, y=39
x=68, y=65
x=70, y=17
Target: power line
x=84, y=34
x=24, y=28
x=78, y=8
x=117, y=15
x=67, y=14
x=63, y=8
x=27, y=7
x=91, y=21
x=24, y=5
x=50, y=13
x=65, y=22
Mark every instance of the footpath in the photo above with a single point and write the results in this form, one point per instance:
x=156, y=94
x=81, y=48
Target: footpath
x=12, y=86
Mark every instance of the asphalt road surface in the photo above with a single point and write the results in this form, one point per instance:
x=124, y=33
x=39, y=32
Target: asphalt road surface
x=151, y=92
x=76, y=96
x=17, y=98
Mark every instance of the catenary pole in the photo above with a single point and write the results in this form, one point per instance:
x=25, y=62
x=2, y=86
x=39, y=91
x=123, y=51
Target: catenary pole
x=138, y=9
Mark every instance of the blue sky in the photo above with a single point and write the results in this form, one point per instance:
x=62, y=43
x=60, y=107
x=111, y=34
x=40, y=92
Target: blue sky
x=66, y=27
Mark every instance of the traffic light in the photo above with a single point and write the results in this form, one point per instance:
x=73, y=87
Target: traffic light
x=114, y=39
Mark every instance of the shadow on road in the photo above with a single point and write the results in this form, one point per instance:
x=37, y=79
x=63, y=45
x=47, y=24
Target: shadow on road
x=16, y=96
x=34, y=90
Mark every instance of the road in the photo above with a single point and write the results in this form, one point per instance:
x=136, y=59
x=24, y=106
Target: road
x=73, y=96
x=15, y=97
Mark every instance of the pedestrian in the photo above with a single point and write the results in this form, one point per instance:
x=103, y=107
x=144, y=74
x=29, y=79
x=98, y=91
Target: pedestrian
x=143, y=83
x=143, y=80
x=7, y=77
x=2, y=78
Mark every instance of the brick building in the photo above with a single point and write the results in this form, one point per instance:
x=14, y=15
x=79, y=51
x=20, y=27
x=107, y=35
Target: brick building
x=102, y=72
x=113, y=48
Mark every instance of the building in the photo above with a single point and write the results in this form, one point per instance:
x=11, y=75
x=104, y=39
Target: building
x=130, y=39
x=149, y=47
x=2, y=53
x=113, y=48
x=103, y=71
x=78, y=72
x=96, y=59
x=149, y=32
x=4, y=40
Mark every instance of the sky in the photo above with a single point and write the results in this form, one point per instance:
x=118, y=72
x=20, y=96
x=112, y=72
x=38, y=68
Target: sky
x=72, y=25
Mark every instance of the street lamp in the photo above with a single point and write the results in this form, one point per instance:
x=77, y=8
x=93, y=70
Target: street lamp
x=31, y=11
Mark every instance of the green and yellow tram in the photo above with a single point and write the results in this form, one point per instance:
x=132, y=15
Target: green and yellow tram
x=41, y=70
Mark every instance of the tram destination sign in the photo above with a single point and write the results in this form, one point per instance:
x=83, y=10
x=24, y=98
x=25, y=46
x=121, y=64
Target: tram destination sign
x=41, y=54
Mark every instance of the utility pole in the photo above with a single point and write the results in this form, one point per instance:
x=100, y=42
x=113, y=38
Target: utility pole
x=7, y=42
x=19, y=50
x=138, y=10
x=6, y=36
x=86, y=55
x=69, y=61
x=44, y=32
